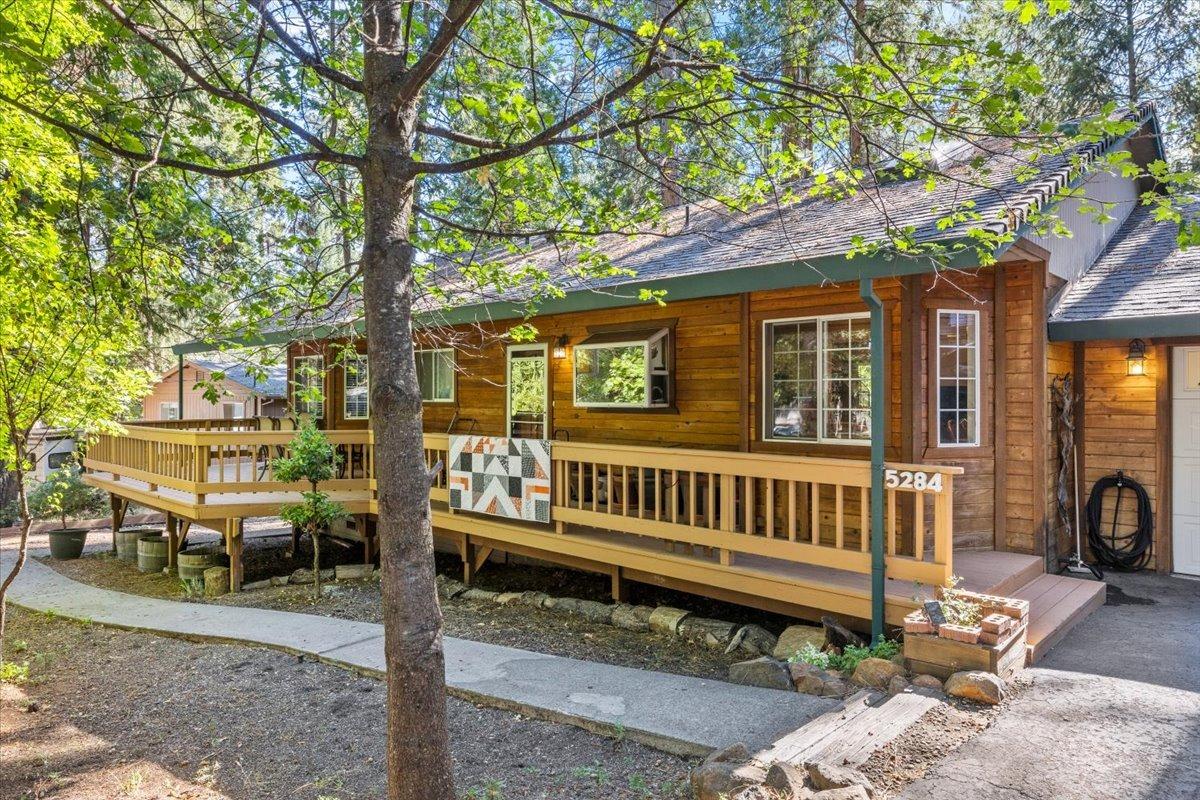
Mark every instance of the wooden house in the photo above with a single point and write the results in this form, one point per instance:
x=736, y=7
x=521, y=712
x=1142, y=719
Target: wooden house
x=732, y=441
x=180, y=392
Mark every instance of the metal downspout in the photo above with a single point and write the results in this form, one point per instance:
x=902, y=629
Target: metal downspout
x=878, y=434
x=180, y=376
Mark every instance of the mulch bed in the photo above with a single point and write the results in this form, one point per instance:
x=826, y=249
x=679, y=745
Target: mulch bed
x=107, y=714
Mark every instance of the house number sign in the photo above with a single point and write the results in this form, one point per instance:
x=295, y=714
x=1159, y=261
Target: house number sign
x=913, y=480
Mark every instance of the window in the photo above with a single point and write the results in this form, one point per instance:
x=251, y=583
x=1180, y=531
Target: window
x=308, y=385
x=168, y=410
x=435, y=375
x=817, y=379
x=624, y=369
x=233, y=410
x=59, y=460
x=957, y=378
x=356, y=400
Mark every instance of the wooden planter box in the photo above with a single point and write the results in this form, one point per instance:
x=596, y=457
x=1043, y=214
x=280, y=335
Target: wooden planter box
x=927, y=654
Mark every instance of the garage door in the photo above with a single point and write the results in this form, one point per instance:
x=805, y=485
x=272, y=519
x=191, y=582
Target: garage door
x=1185, y=488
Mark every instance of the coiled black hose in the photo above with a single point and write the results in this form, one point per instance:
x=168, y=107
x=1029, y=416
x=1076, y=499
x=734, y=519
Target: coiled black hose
x=1125, y=552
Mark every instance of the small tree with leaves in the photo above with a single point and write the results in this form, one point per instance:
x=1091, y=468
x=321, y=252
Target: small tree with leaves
x=64, y=495
x=313, y=459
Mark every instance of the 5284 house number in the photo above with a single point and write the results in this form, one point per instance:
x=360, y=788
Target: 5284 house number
x=913, y=480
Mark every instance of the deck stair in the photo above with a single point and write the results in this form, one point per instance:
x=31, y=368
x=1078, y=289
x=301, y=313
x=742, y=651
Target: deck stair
x=1057, y=603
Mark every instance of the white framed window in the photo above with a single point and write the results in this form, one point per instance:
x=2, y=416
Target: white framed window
x=435, y=375
x=957, y=376
x=168, y=410
x=233, y=410
x=817, y=379
x=623, y=369
x=308, y=385
x=356, y=399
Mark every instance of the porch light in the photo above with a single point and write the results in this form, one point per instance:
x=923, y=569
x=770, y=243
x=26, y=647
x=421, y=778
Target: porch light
x=1135, y=362
x=560, y=346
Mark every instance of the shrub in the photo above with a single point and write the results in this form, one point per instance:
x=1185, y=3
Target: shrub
x=63, y=495
x=849, y=658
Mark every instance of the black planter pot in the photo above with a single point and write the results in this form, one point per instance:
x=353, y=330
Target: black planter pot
x=67, y=543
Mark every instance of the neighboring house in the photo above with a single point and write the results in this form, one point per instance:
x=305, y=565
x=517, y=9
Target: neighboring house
x=242, y=395
x=721, y=444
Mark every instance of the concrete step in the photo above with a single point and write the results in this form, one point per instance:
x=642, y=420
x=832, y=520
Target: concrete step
x=1057, y=604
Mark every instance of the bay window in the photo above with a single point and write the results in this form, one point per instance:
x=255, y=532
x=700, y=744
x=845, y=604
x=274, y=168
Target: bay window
x=817, y=379
x=623, y=369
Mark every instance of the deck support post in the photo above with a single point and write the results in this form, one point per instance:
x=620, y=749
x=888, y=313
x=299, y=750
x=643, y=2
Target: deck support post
x=172, y=541
x=619, y=592
x=866, y=290
x=234, y=530
x=119, y=506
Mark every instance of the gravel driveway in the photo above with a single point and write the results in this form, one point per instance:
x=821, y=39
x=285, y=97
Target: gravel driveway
x=1113, y=712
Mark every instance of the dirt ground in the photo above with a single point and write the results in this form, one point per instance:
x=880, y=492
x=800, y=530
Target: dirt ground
x=109, y=714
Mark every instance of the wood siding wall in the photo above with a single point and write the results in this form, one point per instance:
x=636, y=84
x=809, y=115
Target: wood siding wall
x=1123, y=426
x=718, y=383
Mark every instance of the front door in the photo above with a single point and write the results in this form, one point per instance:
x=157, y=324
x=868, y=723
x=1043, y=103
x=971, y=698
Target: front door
x=528, y=391
x=1185, y=466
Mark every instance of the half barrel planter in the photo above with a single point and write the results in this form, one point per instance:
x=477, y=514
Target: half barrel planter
x=152, y=554
x=192, y=562
x=127, y=541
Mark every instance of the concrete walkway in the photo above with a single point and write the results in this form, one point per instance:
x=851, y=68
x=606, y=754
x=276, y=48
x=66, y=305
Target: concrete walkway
x=679, y=714
x=1113, y=712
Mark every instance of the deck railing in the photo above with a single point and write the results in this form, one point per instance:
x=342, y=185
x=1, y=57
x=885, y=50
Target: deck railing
x=733, y=506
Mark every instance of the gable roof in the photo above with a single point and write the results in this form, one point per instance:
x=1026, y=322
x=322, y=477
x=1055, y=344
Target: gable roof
x=274, y=385
x=705, y=249
x=1143, y=284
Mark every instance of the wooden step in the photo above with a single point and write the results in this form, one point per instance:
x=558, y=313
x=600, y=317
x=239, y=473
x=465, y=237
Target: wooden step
x=1057, y=604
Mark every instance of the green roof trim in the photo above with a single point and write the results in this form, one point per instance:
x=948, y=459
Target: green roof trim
x=1124, y=328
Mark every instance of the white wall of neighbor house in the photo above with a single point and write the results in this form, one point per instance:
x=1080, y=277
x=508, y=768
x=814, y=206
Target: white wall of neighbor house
x=163, y=400
x=1071, y=256
x=52, y=453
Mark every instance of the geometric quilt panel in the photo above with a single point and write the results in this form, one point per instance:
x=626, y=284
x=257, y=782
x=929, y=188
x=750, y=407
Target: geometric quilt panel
x=500, y=476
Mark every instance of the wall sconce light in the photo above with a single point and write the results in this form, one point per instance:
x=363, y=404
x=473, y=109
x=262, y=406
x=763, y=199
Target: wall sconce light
x=1135, y=362
x=560, y=346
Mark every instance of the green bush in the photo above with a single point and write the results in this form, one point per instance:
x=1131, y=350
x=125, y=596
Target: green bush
x=849, y=658
x=64, y=495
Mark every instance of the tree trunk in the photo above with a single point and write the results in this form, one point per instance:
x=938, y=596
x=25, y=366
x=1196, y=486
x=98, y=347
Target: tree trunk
x=856, y=137
x=6, y=579
x=1131, y=53
x=315, y=535
x=418, y=756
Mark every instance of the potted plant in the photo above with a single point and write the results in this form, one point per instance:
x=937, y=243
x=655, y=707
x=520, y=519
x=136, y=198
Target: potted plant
x=64, y=495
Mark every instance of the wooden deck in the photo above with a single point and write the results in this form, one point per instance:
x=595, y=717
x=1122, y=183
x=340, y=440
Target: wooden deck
x=779, y=533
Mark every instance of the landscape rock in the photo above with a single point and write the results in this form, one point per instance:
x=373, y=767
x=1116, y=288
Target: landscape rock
x=755, y=640
x=256, y=585
x=507, y=598
x=982, y=687
x=811, y=679
x=763, y=671
x=632, y=618
x=665, y=619
x=327, y=574
x=794, y=637
x=897, y=685
x=279, y=580
x=216, y=581
x=712, y=632
x=876, y=672
x=301, y=576
x=844, y=793
x=535, y=599
x=448, y=588
x=725, y=773
x=569, y=604
x=787, y=781
x=759, y=793
x=839, y=636
x=927, y=682
x=479, y=594
x=593, y=611
x=832, y=776
x=348, y=572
